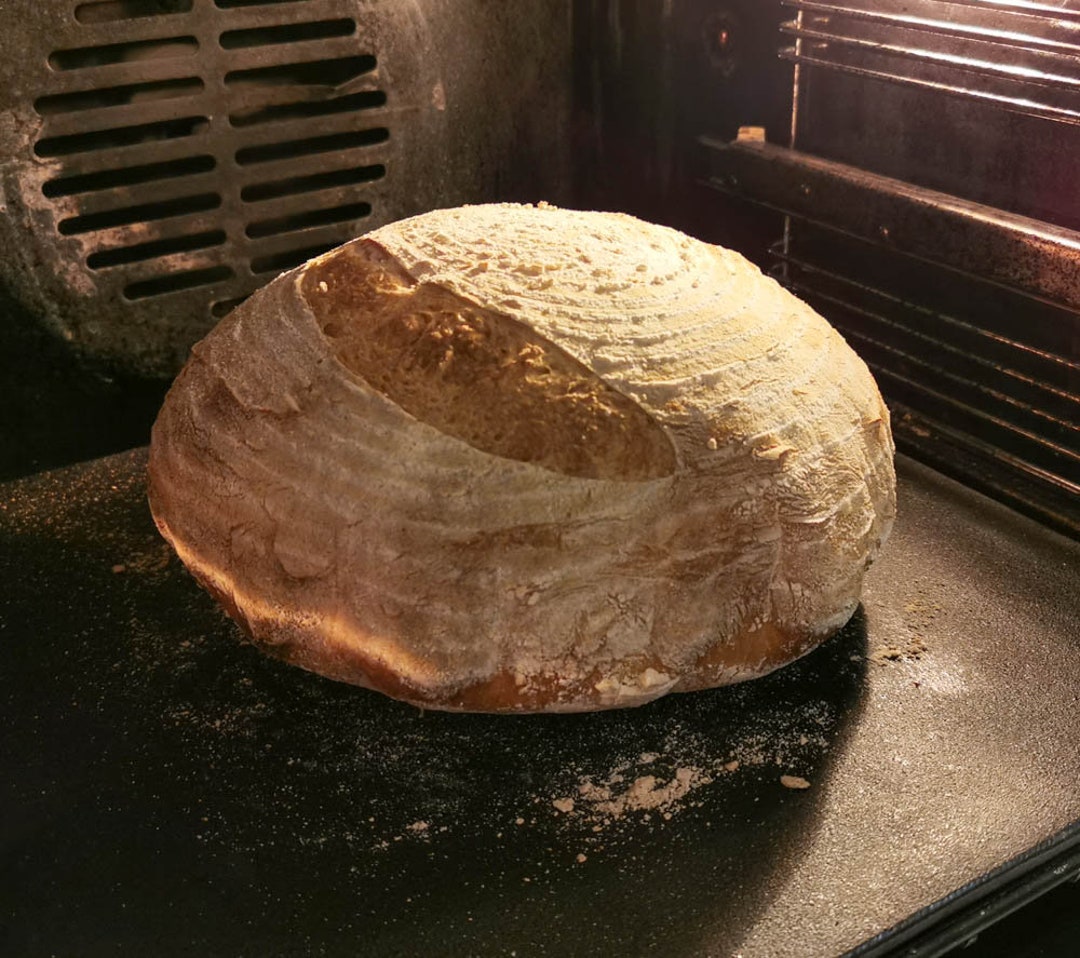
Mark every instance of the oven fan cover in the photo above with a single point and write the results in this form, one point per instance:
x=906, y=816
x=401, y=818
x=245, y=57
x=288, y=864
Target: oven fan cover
x=162, y=159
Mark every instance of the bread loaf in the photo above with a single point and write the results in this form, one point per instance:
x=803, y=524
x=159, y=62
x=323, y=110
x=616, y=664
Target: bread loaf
x=515, y=458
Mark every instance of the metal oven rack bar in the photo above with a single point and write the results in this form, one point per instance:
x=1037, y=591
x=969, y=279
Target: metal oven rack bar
x=931, y=183
x=1020, y=57
x=941, y=282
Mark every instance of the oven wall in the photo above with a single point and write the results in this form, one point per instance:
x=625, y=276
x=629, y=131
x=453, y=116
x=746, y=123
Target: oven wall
x=650, y=78
x=480, y=95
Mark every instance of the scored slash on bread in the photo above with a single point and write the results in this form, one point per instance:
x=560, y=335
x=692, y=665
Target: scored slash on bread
x=515, y=458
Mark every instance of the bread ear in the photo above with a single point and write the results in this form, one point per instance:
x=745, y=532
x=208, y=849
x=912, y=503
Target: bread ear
x=478, y=374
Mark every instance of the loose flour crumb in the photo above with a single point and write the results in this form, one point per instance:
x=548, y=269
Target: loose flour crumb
x=912, y=651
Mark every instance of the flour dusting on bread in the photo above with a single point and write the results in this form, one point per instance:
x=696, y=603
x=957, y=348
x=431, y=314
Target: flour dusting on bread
x=515, y=458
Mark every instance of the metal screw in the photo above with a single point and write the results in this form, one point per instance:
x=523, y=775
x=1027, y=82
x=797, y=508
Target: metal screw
x=720, y=36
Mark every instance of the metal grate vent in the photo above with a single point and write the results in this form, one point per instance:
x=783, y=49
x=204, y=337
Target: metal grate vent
x=200, y=147
x=161, y=159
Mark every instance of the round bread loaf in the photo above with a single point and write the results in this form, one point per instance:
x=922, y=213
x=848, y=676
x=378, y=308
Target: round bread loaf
x=515, y=458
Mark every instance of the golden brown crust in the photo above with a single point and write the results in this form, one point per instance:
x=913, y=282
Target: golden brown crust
x=768, y=647
x=643, y=467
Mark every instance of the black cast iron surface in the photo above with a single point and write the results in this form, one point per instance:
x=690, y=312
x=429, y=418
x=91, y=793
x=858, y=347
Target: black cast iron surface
x=166, y=790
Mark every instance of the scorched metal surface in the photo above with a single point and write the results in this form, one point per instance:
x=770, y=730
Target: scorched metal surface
x=167, y=790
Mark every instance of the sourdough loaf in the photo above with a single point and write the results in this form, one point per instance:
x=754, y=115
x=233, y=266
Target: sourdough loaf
x=515, y=458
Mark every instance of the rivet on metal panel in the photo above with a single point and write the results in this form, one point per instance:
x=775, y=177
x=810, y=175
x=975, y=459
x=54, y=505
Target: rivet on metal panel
x=720, y=32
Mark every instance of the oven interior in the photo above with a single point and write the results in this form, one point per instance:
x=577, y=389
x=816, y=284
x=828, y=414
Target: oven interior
x=909, y=167
x=167, y=157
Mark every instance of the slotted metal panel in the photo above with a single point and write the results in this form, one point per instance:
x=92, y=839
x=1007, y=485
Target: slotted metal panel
x=208, y=147
x=160, y=159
